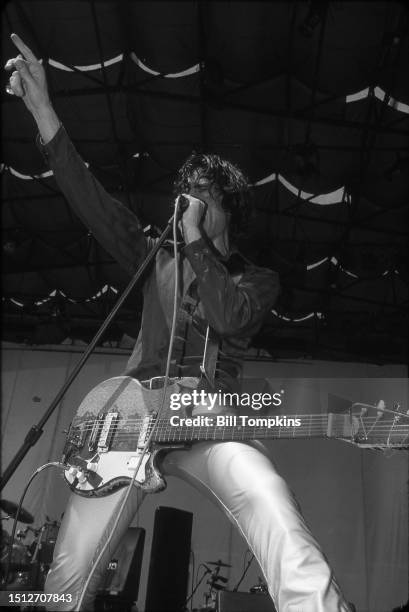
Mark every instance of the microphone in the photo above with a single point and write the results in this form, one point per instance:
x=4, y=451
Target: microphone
x=183, y=203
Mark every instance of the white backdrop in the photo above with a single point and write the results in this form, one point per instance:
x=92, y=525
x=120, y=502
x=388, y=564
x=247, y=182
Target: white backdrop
x=355, y=501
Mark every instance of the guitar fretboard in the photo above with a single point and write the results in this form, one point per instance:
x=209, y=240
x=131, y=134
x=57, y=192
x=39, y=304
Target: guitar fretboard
x=234, y=427
x=389, y=432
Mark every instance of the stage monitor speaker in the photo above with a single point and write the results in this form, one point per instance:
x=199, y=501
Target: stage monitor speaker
x=169, y=562
x=124, y=569
x=232, y=601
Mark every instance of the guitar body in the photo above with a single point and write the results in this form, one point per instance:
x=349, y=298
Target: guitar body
x=107, y=436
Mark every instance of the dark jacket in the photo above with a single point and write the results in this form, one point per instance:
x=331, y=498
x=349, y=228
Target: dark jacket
x=229, y=294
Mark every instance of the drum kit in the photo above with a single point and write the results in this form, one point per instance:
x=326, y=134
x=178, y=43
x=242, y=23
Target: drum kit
x=24, y=567
x=216, y=583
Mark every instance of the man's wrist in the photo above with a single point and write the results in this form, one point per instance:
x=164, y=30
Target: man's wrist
x=43, y=112
x=47, y=121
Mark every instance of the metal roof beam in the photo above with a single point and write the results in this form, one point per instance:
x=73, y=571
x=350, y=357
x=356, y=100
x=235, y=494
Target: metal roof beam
x=333, y=222
x=268, y=112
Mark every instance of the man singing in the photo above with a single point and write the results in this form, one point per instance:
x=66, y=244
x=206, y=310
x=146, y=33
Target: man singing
x=222, y=302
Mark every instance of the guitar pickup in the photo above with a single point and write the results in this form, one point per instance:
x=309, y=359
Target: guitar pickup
x=145, y=430
x=107, y=431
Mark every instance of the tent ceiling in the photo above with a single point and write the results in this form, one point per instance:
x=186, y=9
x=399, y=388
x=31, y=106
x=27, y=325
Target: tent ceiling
x=311, y=99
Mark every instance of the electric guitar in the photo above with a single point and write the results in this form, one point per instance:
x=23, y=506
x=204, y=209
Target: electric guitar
x=108, y=435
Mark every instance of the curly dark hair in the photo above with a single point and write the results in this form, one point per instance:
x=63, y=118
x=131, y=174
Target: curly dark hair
x=229, y=178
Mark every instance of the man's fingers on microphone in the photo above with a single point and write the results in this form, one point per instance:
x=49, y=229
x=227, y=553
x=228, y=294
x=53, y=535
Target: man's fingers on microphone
x=21, y=46
x=10, y=64
x=23, y=69
x=16, y=85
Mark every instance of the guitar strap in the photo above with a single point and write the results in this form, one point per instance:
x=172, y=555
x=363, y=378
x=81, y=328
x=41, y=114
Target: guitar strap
x=210, y=355
x=211, y=340
x=211, y=349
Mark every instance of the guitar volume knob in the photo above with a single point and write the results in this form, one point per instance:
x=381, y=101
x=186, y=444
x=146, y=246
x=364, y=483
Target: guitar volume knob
x=81, y=477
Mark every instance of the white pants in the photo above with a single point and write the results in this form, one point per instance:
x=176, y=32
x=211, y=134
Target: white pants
x=246, y=485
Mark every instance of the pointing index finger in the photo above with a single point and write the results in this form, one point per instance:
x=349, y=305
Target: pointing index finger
x=22, y=47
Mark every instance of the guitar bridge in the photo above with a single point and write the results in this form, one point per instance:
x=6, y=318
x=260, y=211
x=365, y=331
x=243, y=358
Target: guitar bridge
x=95, y=432
x=76, y=435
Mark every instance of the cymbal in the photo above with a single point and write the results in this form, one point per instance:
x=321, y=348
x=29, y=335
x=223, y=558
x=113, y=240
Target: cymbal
x=11, y=508
x=220, y=563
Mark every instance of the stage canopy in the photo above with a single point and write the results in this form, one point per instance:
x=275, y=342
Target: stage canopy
x=311, y=99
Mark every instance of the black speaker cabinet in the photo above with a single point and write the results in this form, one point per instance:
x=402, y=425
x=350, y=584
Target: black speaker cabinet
x=169, y=562
x=124, y=569
x=232, y=601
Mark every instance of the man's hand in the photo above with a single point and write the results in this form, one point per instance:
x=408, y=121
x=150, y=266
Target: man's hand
x=28, y=80
x=193, y=215
x=192, y=219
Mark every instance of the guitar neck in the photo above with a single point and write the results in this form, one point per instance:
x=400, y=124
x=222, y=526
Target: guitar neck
x=367, y=432
x=235, y=427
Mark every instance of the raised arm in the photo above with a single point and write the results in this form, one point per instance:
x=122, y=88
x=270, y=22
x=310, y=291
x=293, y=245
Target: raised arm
x=114, y=226
x=28, y=82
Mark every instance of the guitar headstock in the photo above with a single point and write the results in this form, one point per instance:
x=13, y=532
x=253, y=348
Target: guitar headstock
x=375, y=427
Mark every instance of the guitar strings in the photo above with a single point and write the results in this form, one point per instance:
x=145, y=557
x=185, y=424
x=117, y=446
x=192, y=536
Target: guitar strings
x=90, y=422
x=394, y=430
x=164, y=423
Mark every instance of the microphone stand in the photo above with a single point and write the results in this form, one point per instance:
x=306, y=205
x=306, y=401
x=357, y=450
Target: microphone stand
x=36, y=431
x=244, y=573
